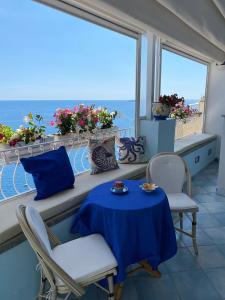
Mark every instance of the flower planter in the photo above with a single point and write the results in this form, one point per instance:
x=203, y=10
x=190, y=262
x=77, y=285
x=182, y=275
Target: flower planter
x=98, y=133
x=4, y=146
x=59, y=137
x=160, y=111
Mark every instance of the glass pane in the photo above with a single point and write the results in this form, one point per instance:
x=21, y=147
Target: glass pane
x=187, y=79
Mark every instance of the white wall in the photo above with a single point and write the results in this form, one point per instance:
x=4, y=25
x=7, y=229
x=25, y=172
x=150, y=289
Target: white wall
x=214, y=122
x=215, y=100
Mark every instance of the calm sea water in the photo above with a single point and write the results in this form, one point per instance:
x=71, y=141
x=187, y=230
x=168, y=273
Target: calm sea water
x=13, y=112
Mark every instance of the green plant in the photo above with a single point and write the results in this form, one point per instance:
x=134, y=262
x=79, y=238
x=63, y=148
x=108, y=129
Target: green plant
x=35, y=130
x=64, y=121
x=6, y=132
x=171, y=100
x=106, y=118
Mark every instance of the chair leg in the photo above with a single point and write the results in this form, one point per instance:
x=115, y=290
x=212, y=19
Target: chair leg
x=194, y=223
x=181, y=220
x=111, y=288
x=42, y=288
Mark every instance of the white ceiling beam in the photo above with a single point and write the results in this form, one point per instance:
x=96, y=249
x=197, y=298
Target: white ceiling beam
x=220, y=6
x=162, y=19
x=202, y=16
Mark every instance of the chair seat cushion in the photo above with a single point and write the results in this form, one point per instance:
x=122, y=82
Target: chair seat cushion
x=181, y=202
x=84, y=258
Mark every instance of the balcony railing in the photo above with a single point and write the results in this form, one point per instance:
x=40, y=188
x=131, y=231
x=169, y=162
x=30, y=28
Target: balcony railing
x=191, y=125
x=15, y=181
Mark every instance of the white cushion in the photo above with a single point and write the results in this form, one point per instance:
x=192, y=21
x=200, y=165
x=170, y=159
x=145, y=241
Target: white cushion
x=84, y=258
x=38, y=228
x=181, y=202
x=168, y=172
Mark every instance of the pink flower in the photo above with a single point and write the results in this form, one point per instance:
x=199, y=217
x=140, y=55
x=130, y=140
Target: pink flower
x=67, y=111
x=76, y=109
x=52, y=123
x=81, y=123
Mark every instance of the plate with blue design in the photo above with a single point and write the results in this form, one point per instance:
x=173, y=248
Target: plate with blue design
x=122, y=191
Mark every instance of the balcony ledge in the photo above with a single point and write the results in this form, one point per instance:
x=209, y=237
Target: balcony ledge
x=187, y=144
x=60, y=204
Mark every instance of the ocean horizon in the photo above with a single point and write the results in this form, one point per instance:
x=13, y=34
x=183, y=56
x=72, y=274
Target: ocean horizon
x=13, y=111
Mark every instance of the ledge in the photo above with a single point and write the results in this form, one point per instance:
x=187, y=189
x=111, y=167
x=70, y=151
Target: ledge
x=189, y=143
x=63, y=204
x=60, y=203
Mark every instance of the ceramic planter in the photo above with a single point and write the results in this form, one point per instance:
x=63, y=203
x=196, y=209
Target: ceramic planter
x=160, y=111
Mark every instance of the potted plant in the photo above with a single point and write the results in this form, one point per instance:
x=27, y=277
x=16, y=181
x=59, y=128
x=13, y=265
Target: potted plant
x=106, y=118
x=182, y=112
x=82, y=120
x=6, y=133
x=35, y=132
x=86, y=118
x=161, y=110
x=64, y=122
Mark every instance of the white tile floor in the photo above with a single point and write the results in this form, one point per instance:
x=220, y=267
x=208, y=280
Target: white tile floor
x=187, y=276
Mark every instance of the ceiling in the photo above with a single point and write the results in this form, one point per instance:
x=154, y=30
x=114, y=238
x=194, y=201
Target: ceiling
x=199, y=24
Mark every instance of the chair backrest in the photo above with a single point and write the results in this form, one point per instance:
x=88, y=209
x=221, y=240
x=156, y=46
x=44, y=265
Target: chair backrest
x=36, y=236
x=168, y=171
x=38, y=228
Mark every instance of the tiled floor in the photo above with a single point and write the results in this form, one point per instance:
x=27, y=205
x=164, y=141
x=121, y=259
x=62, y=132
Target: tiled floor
x=187, y=276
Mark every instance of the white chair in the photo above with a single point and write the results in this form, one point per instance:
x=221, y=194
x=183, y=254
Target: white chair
x=170, y=172
x=71, y=266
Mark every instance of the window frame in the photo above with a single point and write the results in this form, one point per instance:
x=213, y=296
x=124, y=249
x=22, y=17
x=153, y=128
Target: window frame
x=89, y=15
x=178, y=51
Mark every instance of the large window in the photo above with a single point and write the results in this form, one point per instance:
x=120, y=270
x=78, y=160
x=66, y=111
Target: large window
x=187, y=78
x=49, y=58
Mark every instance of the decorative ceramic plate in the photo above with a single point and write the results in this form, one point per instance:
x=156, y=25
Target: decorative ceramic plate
x=119, y=191
x=153, y=188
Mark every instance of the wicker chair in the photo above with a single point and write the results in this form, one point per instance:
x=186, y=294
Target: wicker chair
x=170, y=172
x=71, y=266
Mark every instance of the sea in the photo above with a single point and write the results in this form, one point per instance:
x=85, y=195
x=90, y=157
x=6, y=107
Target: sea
x=12, y=113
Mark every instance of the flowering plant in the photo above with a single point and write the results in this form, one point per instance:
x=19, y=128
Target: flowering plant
x=106, y=118
x=171, y=100
x=182, y=111
x=6, y=133
x=64, y=121
x=86, y=118
x=33, y=132
x=82, y=118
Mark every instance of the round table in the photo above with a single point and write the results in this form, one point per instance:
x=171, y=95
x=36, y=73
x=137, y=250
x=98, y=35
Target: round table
x=137, y=225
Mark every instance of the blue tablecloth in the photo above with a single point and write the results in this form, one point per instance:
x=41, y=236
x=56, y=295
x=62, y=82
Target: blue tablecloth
x=136, y=225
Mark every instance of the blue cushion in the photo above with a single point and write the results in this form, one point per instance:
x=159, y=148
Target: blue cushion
x=51, y=171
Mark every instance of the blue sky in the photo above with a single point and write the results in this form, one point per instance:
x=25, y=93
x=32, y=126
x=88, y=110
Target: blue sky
x=183, y=76
x=47, y=54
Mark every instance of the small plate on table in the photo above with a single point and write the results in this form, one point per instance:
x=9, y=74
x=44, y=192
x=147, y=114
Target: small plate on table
x=124, y=190
x=148, y=187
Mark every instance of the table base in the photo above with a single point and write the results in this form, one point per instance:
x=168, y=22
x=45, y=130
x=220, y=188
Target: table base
x=143, y=265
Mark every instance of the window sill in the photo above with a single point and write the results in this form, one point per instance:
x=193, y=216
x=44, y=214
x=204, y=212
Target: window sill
x=59, y=204
x=189, y=143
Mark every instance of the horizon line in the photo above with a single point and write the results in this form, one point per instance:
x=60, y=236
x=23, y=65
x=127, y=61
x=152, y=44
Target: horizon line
x=67, y=100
